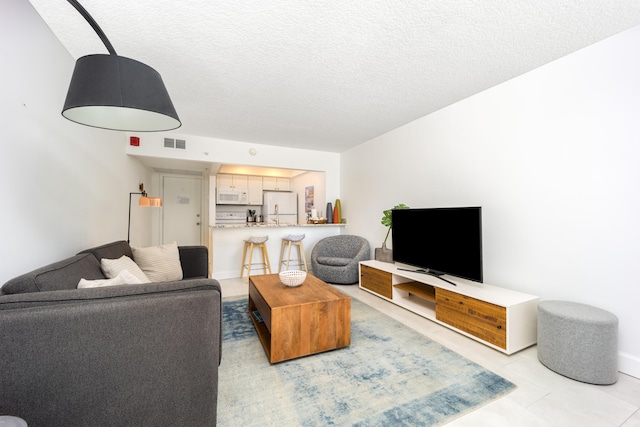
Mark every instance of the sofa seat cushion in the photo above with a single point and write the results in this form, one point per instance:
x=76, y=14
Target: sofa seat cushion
x=58, y=276
x=336, y=261
x=159, y=263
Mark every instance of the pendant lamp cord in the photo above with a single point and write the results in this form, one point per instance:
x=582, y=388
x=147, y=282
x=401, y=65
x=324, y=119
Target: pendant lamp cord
x=94, y=25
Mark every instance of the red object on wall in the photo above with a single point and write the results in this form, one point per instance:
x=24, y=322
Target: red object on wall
x=134, y=141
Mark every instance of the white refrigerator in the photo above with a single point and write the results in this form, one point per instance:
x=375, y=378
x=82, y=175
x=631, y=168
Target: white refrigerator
x=280, y=207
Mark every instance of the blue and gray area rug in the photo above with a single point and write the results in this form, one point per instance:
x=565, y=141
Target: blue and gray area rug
x=390, y=376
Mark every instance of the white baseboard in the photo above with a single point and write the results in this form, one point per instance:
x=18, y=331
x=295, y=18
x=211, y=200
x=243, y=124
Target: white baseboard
x=629, y=364
x=221, y=275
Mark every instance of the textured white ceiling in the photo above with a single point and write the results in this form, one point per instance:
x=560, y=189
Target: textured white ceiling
x=328, y=75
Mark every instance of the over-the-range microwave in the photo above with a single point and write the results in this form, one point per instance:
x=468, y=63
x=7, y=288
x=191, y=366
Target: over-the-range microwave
x=232, y=196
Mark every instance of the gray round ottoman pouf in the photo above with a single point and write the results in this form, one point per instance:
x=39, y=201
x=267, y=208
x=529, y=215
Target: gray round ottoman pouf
x=578, y=341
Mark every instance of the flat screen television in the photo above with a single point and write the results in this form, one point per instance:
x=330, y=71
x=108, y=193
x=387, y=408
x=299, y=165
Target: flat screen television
x=439, y=241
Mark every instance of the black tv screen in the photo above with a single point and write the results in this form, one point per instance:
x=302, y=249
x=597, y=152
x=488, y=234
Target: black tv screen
x=440, y=240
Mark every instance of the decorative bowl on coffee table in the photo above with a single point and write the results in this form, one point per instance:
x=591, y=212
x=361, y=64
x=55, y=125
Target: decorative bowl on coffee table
x=292, y=278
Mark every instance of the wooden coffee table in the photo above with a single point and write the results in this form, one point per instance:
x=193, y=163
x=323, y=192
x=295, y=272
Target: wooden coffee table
x=311, y=318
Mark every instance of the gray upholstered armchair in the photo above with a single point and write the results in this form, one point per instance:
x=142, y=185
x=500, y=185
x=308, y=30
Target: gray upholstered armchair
x=335, y=259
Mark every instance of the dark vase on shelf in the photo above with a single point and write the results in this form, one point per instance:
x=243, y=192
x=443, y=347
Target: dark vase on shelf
x=329, y=213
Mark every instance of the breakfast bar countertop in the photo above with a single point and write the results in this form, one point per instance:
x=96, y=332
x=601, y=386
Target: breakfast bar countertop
x=264, y=225
x=227, y=243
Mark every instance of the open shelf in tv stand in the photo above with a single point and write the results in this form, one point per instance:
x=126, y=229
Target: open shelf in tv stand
x=418, y=289
x=500, y=318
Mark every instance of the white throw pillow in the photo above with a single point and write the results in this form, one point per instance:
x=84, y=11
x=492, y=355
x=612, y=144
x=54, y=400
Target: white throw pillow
x=159, y=263
x=112, y=267
x=124, y=278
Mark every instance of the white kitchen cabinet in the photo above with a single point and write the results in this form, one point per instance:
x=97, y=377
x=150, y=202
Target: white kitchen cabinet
x=255, y=190
x=271, y=183
x=224, y=180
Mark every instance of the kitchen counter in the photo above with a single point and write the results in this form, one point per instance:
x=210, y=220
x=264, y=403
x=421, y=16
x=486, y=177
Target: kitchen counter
x=227, y=244
x=265, y=225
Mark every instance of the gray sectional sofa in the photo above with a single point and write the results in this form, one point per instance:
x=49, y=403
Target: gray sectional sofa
x=130, y=355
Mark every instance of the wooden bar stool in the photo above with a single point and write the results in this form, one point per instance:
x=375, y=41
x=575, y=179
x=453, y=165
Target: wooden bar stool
x=249, y=244
x=287, y=242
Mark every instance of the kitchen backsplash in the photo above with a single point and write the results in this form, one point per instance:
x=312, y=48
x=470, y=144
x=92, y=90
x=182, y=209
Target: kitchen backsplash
x=239, y=209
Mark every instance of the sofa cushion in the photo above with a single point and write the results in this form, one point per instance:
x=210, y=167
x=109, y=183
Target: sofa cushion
x=123, y=278
x=58, y=276
x=330, y=260
x=159, y=263
x=194, y=261
x=113, y=267
x=113, y=250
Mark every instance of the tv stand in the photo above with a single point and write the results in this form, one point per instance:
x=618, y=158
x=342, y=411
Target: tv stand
x=503, y=319
x=430, y=273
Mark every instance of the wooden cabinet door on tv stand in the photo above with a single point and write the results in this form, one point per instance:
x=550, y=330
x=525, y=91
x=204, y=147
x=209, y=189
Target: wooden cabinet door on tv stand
x=477, y=310
x=481, y=319
x=377, y=281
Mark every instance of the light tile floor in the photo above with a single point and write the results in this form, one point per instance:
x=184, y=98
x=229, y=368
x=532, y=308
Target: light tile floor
x=543, y=398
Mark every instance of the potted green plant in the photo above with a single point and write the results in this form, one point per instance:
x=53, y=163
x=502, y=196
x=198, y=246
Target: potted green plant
x=384, y=254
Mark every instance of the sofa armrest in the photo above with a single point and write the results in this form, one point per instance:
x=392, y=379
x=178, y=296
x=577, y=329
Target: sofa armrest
x=123, y=355
x=194, y=261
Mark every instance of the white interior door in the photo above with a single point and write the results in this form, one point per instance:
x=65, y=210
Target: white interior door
x=182, y=210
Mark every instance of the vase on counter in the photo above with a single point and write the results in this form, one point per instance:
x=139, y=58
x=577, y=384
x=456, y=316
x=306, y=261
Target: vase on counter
x=329, y=213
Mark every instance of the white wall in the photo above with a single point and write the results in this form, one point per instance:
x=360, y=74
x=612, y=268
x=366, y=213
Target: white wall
x=64, y=186
x=317, y=180
x=553, y=157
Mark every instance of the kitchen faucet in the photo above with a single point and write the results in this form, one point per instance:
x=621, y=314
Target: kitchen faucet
x=277, y=217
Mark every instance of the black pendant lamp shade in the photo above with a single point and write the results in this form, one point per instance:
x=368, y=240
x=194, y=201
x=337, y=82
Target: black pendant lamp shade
x=117, y=93
x=114, y=92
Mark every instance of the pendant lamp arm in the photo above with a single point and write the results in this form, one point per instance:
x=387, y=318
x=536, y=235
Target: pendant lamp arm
x=94, y=25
